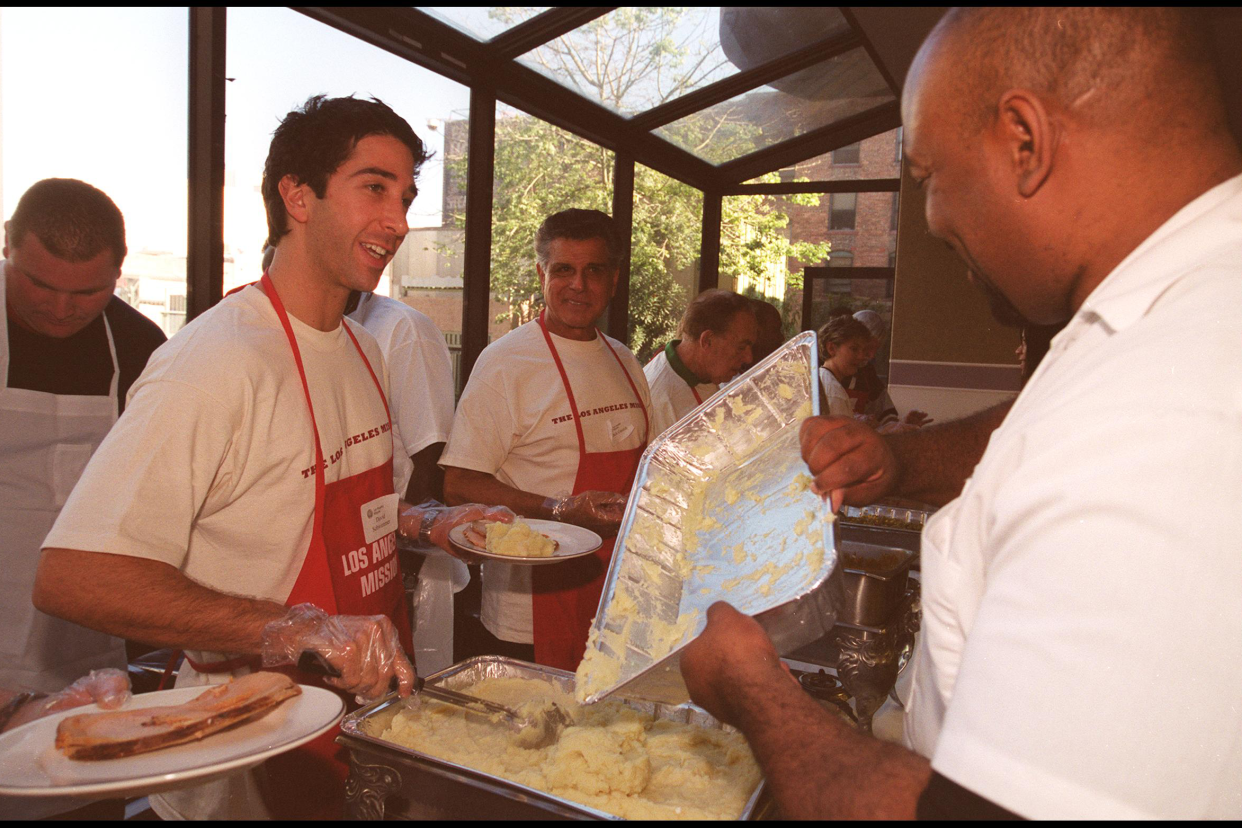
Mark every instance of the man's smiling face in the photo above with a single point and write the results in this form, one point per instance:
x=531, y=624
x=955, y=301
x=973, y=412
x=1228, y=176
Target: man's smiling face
x=578, y=282
x=360, y=222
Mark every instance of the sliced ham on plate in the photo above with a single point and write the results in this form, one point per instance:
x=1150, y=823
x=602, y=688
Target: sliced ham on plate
x=113, y=735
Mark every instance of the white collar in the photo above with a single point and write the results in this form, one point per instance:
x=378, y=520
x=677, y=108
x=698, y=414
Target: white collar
x=1192, y=235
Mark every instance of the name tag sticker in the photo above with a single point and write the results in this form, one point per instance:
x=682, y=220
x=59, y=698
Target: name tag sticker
x=379, y=517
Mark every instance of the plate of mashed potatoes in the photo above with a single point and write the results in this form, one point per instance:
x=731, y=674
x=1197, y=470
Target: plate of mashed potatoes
x=529, y=542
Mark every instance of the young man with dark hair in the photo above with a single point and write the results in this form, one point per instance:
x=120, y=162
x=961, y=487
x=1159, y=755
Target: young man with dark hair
x=69, y=353
x=717, y=338
x=552, y=424
x=243, y=508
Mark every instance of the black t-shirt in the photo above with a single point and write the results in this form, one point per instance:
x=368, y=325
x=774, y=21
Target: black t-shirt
x=80, y=364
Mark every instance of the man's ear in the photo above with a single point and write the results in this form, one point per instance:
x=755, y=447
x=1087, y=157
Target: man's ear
x=296, y=196
x=705, y=337
x=1030, y=137
x=543, y=281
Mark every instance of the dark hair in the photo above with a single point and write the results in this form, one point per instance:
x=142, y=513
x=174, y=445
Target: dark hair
x=712, y=310
x=73, y=220
x=771, y=333
x=314, y=140
x=579, y=225
x=838, y=331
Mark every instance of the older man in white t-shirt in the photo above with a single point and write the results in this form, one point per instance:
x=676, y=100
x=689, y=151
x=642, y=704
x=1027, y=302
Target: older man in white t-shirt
x=718, y=333
x=552, y=424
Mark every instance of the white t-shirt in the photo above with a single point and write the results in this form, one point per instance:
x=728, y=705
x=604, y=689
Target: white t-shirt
x=671, y=396
x=1082, y=598
x=211, y=467
x=420, y=374
x=836, y=401
x=514, y=422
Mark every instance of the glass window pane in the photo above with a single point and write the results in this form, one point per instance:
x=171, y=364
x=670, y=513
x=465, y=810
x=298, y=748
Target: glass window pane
x=664, y=262
x=842, y=211
x=482, y=22
x=846, y=155
x=764, y=248
x=539, y=170
x=634, y=58
x=272, y=76
x=99, y=94
x=817, y=96
x=878, y=157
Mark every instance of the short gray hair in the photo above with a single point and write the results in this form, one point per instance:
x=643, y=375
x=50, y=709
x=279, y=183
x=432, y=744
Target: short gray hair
x=579, y=225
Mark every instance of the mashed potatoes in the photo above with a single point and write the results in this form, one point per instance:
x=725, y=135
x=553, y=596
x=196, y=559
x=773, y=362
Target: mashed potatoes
x=518, y=540
x=610, y=757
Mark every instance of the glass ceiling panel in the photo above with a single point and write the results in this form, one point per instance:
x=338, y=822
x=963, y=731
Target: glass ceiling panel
x=635, y=58
x=482, y=22
x=817, y=96
x=876, y=157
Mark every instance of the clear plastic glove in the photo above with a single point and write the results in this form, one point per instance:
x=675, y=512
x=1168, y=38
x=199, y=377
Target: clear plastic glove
x=109, y=688
x=364, y=649
x=594, y=510
x=431, y=521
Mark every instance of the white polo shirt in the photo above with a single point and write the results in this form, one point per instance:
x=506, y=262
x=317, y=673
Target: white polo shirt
x=1082, y=598
x=673, y=389
x=420, y=373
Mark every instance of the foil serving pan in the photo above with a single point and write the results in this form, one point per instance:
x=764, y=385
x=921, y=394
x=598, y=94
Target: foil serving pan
x=720, y=510
x=368, y=723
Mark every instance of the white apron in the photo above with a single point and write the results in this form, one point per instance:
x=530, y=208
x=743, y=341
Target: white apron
x=45, y=443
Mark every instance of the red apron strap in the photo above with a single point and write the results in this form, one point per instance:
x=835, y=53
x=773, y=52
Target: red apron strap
x=279, y=306
x=633, y=387
x=695, y=392
x=569, y=392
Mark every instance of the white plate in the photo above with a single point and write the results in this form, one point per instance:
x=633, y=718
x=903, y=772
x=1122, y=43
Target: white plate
x=574, y=543
x=30, y=764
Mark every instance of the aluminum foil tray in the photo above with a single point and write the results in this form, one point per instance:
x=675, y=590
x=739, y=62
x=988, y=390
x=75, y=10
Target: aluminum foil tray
x=883, y=516
x=368, y=723
x=720, y=510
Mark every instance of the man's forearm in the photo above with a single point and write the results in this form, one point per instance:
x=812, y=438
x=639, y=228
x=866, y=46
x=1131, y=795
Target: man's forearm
x=468, y=486
x=148, y=601
x=936, y=460
x=818, y=767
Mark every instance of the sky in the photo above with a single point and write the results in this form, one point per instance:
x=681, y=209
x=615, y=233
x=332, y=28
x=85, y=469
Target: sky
x=101, y=95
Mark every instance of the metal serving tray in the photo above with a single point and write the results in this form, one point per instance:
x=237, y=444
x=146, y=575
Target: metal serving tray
x=879, y=515
x=388, y=770
x=720, y=510
x=874, y=580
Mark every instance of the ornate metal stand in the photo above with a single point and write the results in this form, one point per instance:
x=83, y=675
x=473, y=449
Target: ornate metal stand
x=367, y=787
x=869, y=658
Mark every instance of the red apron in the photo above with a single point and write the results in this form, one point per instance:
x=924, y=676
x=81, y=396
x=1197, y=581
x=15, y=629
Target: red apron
x=565, y=597
x=309, y=782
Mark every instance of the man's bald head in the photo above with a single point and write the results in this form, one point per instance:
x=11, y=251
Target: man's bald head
x=1137, y=69
x=1050, y=142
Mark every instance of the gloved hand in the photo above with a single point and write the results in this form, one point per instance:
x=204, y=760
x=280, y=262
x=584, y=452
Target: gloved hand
x=365, y=649
x=108, y=687
x=431, y=520
x=595, y=510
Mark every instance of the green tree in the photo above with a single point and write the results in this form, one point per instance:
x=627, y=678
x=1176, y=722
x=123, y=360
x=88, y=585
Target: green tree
x=630, y=60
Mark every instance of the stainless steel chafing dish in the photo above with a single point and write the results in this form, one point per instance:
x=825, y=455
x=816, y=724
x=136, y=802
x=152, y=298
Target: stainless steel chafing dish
x=388, y=779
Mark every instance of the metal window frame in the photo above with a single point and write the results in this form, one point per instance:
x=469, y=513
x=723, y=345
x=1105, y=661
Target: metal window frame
x=204, y=277
x=489, y=68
